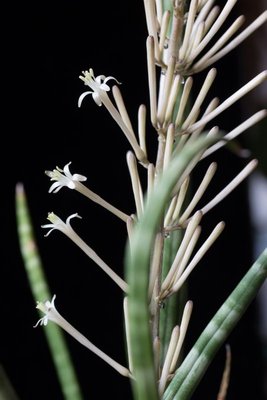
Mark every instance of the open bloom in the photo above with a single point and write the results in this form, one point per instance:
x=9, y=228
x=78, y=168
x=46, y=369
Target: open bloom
x=63, y=177
x=51, y=314
x=73, y=181
x=57, y=223
x=65, y=227
x=49, y=309
x=97, y=84
x=99, y=91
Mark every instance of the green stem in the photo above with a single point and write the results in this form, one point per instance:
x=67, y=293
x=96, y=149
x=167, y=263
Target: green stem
x=137, y=264
x=200, y=356
x=40, y=290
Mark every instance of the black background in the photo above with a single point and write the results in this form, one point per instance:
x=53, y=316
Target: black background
x=46, y=46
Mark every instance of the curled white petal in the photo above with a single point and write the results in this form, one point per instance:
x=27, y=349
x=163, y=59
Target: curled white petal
x=63, y=177
x=50, y=304
x=41, y=321
x=78, y=177
x=66, y=170
x=82, y=96
x=104, y=87
x=100, y=78
x=108, y=78
x=55, y=187
x=46, y=308
x=48, y=226
x=76, y=215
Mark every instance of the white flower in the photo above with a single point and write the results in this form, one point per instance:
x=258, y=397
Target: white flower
x=97, y=84
x=63, y=177
x=50, y=311
x=51, y=314
x=57, y=223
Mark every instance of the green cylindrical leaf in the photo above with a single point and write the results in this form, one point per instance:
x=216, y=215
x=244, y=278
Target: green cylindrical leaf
x=200, y=356
x=40, y=290
x=7, y=392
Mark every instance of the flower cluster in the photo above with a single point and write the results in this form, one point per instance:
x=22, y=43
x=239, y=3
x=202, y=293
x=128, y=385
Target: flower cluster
x=179, y=45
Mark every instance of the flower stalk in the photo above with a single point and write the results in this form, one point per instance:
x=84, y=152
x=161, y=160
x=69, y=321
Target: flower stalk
x=99, y=93
x=58, y=224
x=73, y=181
x=51, y=314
